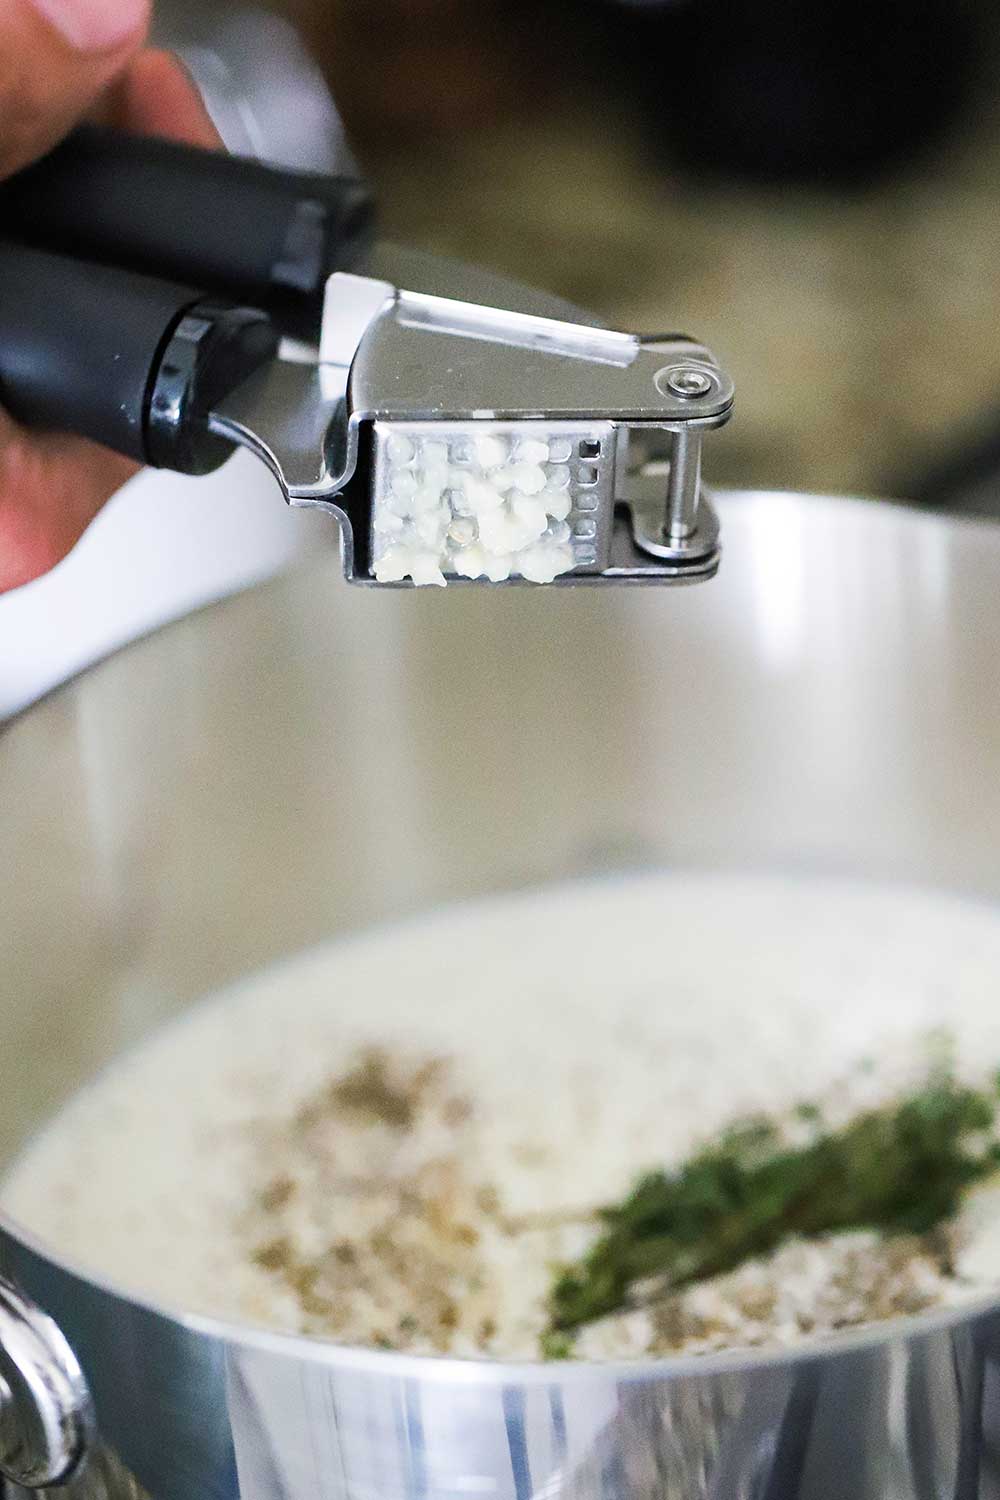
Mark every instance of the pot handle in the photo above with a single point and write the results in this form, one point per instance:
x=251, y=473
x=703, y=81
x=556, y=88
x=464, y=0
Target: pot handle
x=46, y=1415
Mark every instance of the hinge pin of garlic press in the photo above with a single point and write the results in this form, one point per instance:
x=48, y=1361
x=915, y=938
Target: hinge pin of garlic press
x=683, y=487
x=687, y=383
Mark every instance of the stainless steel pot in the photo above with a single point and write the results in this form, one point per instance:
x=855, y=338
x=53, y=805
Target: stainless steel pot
x=305, y=759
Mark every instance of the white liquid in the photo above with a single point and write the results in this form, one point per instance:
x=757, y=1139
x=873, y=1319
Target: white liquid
x=597, y=1029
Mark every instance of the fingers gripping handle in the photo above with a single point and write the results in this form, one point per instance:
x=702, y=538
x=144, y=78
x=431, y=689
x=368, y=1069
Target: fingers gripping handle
x=127, y=360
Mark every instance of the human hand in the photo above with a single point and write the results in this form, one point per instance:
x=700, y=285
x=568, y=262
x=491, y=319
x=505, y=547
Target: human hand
x=62, y=61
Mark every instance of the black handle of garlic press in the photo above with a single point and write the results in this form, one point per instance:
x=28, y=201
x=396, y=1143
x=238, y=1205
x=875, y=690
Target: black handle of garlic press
x=131, y=361
x=227, y=225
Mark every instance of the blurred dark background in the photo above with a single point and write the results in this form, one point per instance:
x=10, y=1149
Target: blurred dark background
x=812, y=186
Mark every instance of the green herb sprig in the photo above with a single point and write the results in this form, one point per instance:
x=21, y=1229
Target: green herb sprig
x=900, y=1169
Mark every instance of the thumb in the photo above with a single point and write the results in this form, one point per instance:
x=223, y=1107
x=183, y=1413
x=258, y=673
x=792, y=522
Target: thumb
x=55, y=58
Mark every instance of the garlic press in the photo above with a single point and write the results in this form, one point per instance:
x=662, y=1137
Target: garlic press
x=452, y=442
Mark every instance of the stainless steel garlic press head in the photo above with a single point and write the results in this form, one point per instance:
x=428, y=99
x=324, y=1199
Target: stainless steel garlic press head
x=455, y=442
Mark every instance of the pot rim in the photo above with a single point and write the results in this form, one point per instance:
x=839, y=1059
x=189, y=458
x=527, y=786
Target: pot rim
x=817, y=500
x=467, y=1370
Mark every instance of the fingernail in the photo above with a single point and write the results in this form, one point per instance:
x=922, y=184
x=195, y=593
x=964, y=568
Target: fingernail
x=94, y=25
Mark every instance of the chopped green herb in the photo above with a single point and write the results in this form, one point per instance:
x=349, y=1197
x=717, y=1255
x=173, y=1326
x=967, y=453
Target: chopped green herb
x=555, y=1344
x=901, y=1169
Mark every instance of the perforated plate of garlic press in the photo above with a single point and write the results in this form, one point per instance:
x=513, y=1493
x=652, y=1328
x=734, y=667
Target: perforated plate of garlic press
x=451, y=441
